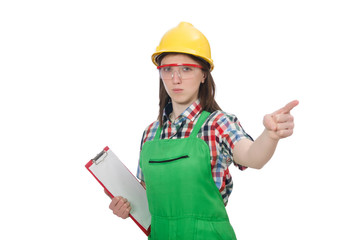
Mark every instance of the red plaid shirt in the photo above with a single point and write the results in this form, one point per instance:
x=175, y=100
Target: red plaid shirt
x=220, y=131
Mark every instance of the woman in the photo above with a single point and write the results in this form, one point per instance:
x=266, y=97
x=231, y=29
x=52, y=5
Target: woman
x=185, y=154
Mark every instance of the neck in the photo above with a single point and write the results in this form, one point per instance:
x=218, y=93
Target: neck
x=178, y=109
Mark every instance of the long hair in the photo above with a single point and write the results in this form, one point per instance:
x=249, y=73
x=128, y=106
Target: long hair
x=206, y=89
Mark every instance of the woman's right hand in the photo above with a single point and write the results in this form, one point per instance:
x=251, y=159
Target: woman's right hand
x=120, y=207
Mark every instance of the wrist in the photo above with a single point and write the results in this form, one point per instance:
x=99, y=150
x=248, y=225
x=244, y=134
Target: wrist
x=271, y=135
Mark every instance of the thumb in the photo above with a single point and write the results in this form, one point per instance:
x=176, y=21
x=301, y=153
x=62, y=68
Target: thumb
x=269, y=122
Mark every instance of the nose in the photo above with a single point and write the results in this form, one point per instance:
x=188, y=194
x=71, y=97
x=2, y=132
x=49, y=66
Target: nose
x=176, y=78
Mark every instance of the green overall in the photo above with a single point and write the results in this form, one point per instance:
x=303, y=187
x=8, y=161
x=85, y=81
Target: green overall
x=183, y=199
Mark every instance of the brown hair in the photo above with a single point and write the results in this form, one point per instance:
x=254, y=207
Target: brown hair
x=206, y=90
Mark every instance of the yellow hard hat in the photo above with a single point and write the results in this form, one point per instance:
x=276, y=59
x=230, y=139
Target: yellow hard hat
x=185, y=38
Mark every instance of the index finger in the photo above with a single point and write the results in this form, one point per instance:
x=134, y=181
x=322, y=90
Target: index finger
x=287, y=108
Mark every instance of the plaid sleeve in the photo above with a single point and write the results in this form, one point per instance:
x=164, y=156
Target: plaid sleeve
x=231, y=133
x=148, y=135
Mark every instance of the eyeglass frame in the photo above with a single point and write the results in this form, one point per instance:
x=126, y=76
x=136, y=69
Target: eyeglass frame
x=179, y=64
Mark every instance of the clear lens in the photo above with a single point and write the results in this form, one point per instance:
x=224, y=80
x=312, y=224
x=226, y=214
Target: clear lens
x=184, y=71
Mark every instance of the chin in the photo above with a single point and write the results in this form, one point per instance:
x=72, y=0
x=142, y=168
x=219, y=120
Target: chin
x=183, y=100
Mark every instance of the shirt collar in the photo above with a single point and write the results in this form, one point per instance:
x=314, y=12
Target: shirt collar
x=190, y=113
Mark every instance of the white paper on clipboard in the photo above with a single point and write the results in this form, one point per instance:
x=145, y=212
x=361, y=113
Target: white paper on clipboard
x=115, y=177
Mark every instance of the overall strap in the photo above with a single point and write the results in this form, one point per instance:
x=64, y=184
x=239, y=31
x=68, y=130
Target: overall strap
x=199, y=123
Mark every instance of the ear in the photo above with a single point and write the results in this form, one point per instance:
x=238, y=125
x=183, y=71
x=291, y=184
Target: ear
x=203, y=78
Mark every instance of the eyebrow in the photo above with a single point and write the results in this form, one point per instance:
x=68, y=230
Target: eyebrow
x=179, y=64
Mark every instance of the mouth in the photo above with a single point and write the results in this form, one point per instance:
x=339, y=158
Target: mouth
x=177, y=90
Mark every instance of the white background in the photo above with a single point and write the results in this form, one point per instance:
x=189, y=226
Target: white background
x=76, y=76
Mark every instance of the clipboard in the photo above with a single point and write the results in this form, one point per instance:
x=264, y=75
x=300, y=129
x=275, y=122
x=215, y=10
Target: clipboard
x=117, y=180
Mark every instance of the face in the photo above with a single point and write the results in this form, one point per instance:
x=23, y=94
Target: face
x=182, y=91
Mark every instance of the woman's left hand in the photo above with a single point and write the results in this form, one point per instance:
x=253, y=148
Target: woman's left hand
x=280, y=124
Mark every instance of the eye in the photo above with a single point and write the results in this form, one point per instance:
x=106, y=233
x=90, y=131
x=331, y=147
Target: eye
x=166, y=69
x=186, y=69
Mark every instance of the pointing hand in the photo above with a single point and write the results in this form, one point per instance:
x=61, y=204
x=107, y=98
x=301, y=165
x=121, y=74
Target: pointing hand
x=280, y=124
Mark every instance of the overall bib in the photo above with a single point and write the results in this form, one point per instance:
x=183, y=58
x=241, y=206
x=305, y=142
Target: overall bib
x=183, y=199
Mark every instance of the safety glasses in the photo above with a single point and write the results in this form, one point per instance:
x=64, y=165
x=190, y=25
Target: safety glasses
x=184, y=70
